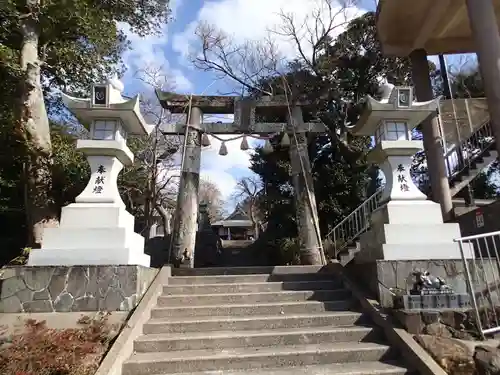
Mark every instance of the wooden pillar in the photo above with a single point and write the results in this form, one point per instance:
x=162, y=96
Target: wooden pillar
x=186, y=223
x=483, y=24
x=307, y=214
x=430, y=130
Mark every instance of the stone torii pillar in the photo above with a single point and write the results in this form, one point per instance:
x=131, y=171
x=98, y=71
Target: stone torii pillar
x=186, y=220
x=306, y=211
x=484, y=29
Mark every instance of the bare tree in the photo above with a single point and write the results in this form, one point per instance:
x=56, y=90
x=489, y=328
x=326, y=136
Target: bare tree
x=251, y=63
x=247, y=63
x=157, y=151
x=248, y=192
x=210, y=194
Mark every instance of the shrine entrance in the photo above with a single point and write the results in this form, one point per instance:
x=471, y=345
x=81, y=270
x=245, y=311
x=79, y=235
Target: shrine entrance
x=247, y=114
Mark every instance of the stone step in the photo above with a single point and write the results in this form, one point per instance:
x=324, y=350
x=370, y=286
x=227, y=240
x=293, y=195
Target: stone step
x=224, y=299
x=250, y=287
x=209, y=271
x=362, y=368
x=251, y=309
x=232, y=323
x=250, y=279
x=236, y=339
x=254, y=358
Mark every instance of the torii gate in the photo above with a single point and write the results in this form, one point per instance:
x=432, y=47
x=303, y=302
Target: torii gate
x=245, y=111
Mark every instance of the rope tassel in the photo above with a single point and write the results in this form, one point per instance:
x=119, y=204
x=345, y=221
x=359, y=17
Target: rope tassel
x=223, y=149
x=205, y=140
x=268, y=148
x=244, y=144
x=285, y=140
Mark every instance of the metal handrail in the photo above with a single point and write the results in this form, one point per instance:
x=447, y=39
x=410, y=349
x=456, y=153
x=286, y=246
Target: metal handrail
x=482, y=265
x=357, y=222
x=462, y=155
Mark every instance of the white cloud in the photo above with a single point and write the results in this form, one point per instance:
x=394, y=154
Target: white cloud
x=251, y=20
x=149, y=51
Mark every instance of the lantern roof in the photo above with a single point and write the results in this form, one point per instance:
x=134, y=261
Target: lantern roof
x=107, y=102
x=396, y=104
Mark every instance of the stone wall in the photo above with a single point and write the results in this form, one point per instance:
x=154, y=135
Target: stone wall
x=450, y=323
x=381, y=276
x=73, y=288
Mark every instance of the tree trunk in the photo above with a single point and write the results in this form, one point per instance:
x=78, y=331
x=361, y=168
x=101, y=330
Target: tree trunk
x=165, y=217
x=34, y=125
x=256, y=228
x=256, y=231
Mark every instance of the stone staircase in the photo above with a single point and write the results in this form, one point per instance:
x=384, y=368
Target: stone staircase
x=281, y=321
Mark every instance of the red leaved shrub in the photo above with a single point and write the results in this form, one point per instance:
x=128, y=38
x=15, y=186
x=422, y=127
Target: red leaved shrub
x=43, y=351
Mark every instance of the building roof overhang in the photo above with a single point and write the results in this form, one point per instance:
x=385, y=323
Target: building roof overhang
x=436, y=26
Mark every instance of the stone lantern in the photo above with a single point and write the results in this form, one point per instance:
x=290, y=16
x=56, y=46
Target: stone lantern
x=97, y=229
x=391, y=121
x=406, y=226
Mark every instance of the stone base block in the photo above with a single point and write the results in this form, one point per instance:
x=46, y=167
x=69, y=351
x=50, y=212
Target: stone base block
x=439, y=301
x=91, y=234
x=25, y=289
x=91, y=238
x=419, y=251
x=373, y=248
x=411, y=230
x=412, y=233
x=409, y=212
x=383, y=276
x=89, y=256
x=96, y=215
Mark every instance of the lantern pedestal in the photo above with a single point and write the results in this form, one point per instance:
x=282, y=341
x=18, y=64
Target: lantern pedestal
x=97, y=229
x=106, y=160
x=407, y=226
x=395, y=159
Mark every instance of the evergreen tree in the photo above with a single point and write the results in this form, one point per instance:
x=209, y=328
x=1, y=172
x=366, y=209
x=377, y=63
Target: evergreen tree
x=349, y=69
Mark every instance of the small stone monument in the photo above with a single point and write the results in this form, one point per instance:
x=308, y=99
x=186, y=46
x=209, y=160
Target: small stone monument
x=208, y=250
x=407, y=226
x=97, y=229
x=430, y=292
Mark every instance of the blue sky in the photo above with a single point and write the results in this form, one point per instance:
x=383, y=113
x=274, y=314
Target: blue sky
x=243, y=20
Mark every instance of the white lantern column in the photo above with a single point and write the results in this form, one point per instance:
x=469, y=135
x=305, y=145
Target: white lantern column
x=407, y=226
x=97, y=229
x=394, y=151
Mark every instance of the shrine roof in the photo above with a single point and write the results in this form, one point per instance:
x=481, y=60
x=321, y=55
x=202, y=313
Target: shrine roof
x=437, y=26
